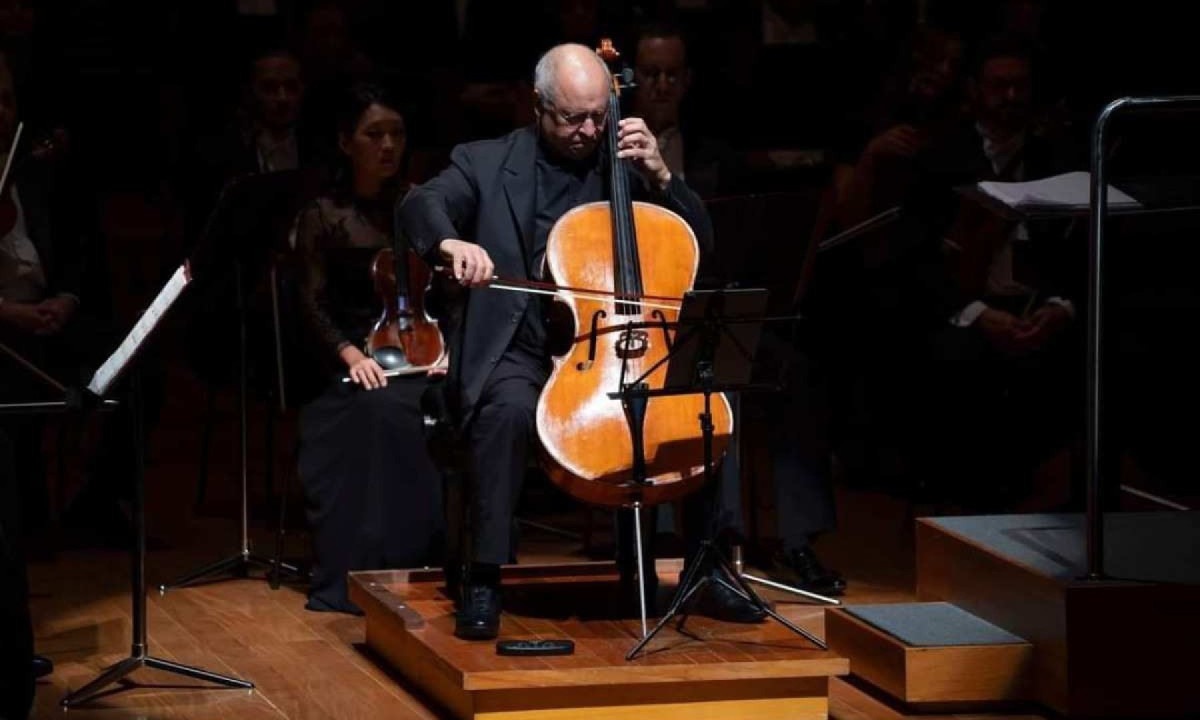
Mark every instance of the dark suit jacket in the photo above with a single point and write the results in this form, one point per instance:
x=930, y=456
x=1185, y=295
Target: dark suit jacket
x=487, y=196
x=932, y=205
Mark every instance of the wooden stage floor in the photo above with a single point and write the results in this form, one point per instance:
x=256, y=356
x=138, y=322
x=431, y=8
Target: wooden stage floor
x=316, y=665
x=306, y=664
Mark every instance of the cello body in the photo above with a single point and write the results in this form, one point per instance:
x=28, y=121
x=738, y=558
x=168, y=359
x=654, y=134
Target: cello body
x=633, y=250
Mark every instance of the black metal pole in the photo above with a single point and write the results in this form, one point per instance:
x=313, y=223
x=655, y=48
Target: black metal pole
x=139, y=514
x=1099, y=208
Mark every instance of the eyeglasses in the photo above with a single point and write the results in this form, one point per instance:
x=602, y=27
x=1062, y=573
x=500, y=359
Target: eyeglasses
x=575, y=120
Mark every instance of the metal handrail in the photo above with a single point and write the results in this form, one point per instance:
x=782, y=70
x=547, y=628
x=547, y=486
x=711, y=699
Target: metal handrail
x=1098, y=217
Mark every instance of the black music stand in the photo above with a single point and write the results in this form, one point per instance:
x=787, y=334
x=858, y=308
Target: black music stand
x=249, y=215
x=713, y=351
x=123, y=361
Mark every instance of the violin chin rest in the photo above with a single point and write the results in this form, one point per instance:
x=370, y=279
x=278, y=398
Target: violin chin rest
x=390, y=358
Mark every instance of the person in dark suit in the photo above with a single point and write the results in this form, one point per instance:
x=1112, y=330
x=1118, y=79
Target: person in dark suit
x=490, y=212
x=663, y=78
x=997, y=299
x=267, y=134
x=48, y=316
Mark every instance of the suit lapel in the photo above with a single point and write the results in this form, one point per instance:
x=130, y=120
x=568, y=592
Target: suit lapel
x=520, y=187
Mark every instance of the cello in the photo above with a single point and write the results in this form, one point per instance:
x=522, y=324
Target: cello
x=630, y=253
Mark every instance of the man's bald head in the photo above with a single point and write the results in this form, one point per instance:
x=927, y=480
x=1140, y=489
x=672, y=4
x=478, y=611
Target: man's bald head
x=570, y=68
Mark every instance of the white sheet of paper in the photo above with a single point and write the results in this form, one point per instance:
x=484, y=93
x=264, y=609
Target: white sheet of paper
x=1069, y=190
x=115, y=364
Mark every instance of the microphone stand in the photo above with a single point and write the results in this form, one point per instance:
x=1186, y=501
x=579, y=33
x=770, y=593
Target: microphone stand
x=246, y=197
x=239, y=563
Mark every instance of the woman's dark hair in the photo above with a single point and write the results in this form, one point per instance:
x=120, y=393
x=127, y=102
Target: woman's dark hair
x=355, y=101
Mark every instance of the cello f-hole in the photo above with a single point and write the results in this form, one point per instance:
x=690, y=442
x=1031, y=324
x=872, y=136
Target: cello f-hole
x=596, y=318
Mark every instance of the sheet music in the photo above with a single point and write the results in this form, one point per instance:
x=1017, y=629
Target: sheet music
x=115, y=364
x=1067, y=191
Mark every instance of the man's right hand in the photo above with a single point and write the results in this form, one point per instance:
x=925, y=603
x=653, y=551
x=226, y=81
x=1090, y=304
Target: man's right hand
x=32, y=319
x=469, y=263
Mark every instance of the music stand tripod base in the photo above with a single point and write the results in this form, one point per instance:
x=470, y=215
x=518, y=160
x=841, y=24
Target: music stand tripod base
x=138, y=656
x=694, y=581
x=236, y=566
x=115, y=672
x=737, y=563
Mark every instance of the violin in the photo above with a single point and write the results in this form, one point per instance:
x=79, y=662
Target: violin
x=45, y=149
x=619, y=269
x=404, y=340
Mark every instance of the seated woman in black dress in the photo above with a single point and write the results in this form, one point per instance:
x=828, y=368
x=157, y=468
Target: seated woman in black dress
x=372, y=491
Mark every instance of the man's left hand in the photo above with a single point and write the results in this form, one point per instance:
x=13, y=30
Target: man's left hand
x=58, y=311
x=634, y=140
x=1044, y=324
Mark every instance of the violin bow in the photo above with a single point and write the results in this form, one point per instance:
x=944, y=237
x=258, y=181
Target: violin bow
x=12, y=152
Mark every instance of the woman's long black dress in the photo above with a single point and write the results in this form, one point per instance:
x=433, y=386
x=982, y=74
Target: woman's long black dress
x=373, y=494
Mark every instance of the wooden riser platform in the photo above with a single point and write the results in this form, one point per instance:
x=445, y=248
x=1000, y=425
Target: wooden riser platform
x=712, y=670
x=1116, y=648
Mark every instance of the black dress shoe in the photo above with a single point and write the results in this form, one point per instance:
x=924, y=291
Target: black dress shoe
x=719, y=602
x=802, y=569
x=479, y=617
x=42, y=666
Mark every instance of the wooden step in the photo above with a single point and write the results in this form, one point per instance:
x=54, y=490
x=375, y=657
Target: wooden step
x=930, y=653
x=1101, y=648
